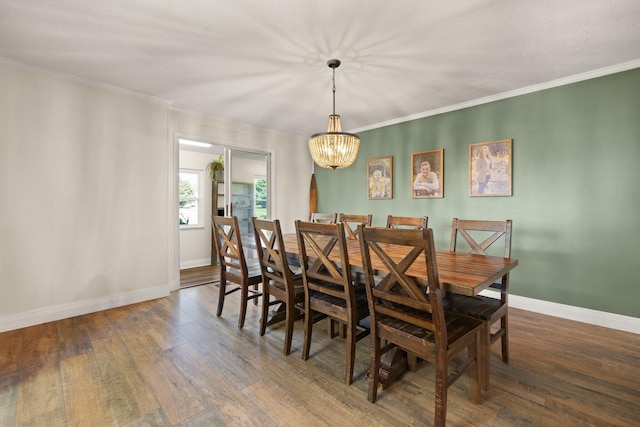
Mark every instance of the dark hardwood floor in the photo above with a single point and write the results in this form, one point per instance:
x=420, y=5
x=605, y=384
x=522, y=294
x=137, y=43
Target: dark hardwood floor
x=172, y=362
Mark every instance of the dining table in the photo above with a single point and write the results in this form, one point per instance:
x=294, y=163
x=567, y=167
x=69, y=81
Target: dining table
x=458, y=272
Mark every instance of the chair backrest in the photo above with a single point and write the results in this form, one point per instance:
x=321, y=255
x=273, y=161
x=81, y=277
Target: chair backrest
x=480, y=235
x=228, y=243
x=324, y=260
x=391, y=291
x=329, y=218
x=350, y=223
x=419, y=222
x=271, y=253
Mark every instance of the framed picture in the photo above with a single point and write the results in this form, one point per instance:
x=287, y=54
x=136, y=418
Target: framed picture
x=380, y=178
x=427, y=174
x=490, y=168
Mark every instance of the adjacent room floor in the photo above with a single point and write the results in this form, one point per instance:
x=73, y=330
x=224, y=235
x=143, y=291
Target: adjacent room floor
x=199, y=276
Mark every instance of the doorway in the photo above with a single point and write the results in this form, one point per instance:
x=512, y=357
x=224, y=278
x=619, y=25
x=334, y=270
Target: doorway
x=244, y=192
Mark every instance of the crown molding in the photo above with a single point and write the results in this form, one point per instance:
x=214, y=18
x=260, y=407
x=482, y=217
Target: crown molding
x=510, y=94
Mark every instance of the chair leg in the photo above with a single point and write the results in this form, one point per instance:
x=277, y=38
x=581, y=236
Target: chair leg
x=290, y=317
x=255, y=288
x=222, y=287
x=351, y=353
x=331, y=325
x=265, y=311
x=441, y=395
x=374, y=369
x=504, y=323
x=484, y=355
x=308, y=324
x=474, y=373
x=412, y=362
x=244, y=297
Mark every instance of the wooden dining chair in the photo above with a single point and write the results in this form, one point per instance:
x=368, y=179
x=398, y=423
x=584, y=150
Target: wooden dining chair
x=419, y=222
x=476, y=237
x=233, y=265
x=278, y=280
x=407, y=315
x=350, y=223
x=328, y=287
x=329, y=218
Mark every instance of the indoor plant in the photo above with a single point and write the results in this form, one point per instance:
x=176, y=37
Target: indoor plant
x=216, y=169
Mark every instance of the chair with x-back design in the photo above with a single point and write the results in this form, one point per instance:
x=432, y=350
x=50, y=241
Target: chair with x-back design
x=279, y=281
x=418, y=222
x=328, y=286
x=351, y=222
x=328, y=218
x=233, y=265
x=408, y=314
x=479, y=236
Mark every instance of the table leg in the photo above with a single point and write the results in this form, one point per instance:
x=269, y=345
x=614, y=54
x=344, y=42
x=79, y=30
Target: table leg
x=392, y=364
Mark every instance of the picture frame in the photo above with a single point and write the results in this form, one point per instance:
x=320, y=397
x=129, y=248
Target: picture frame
x=427, y=174
x=380, y=178
x=490, y=168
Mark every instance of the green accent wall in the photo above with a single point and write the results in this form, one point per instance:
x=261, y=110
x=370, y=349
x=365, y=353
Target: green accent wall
x=576, y=186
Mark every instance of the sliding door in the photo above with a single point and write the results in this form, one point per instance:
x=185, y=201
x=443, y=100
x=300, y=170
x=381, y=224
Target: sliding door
x=247, y=188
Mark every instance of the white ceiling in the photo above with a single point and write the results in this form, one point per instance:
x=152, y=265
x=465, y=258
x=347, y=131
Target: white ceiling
x=263, y=62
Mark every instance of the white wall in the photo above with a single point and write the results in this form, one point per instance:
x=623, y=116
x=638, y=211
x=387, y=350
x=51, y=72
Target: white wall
x=83, y=184
x=88, y=193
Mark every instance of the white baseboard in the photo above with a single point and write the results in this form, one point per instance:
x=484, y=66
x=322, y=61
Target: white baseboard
x=50, y=314
x=584, y=315
x=195, y=263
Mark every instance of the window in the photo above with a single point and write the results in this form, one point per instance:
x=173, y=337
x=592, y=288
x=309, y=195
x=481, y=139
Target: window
x=190, y=189
x=260, y=185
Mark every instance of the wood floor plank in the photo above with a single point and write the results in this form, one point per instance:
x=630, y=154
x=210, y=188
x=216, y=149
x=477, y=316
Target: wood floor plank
x=125, y=322
x=129, y=395
x=226, y=399
x=173, y=391
x=73, y=338
x=209, y=417
x=11, y=343
x=98, y=325
x=155, y=418
x=279, y=406
x=589, y=399
x=86, y=398
x=8, y=397
x=40, y=394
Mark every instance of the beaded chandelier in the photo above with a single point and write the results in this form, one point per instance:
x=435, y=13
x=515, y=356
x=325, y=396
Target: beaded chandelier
x=334, y=149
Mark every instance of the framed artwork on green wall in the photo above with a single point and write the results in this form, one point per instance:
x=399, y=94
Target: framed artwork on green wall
x=490, y=168
x=380, y=178
x=427, y=174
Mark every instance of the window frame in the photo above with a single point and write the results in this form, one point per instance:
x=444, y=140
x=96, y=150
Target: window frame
x=198, y=200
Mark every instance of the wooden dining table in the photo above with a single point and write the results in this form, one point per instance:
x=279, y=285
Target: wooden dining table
x=460, y=273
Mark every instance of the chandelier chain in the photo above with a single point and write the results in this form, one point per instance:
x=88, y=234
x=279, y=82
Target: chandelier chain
x=334, y=91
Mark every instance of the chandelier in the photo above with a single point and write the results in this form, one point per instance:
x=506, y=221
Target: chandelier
x=334, y=149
